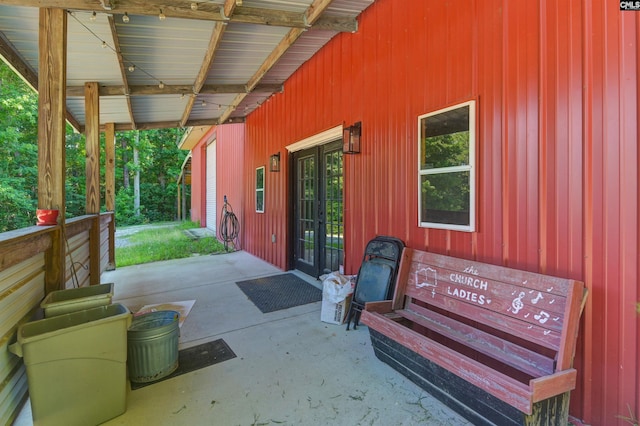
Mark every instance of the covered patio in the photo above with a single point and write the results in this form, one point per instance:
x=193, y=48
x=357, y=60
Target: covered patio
x=290, y=368
x=108, y=66
x=553, y=187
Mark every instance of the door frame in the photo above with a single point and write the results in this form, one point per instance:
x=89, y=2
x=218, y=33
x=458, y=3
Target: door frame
x=330, y=135
x=320, y=215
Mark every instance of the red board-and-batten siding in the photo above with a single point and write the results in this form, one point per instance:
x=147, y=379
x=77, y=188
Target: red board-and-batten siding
x=199, y=181
x=229, y=175
x=556, y=84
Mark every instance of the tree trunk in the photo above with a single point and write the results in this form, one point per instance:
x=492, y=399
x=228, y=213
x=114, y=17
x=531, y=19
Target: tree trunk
x=136, y=177
x=125, y=168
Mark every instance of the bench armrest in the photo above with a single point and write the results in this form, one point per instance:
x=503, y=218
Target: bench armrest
x=552, y=385
x=381, y=307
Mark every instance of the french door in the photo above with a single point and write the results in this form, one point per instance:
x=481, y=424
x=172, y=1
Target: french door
x=318, y=209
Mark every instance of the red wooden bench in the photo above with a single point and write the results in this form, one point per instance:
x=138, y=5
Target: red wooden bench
x=493, y=343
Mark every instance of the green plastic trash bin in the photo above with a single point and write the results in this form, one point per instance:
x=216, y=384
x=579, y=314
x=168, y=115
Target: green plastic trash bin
x=76, y=365
x=76, y=299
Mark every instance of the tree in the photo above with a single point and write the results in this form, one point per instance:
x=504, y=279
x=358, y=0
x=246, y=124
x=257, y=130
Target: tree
x=159, y=164
x=18, y=151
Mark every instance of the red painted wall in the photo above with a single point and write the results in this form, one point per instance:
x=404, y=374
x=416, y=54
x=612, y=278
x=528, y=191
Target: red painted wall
x=229, y=173
x=556, y=84
x=199, y=183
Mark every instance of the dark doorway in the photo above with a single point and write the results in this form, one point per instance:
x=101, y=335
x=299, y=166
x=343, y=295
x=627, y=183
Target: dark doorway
x=318, y=209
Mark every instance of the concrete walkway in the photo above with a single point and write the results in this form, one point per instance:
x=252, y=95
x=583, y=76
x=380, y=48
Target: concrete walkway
x=290, y=369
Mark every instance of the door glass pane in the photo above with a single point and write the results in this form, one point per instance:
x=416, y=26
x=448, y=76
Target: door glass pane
x=333, y=207
x=306, y=201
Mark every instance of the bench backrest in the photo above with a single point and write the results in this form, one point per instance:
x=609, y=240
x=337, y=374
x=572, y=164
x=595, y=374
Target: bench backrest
x=530, y=307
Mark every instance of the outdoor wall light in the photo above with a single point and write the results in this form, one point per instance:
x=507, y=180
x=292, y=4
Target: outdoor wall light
x=351, y=138
x=274, y=163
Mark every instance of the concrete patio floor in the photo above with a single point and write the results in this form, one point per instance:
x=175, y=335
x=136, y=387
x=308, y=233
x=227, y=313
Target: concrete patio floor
x=290, y=369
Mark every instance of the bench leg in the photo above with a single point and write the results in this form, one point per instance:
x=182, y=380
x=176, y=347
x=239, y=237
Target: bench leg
x=355, y=310
x=471, y=402
x=550, y=412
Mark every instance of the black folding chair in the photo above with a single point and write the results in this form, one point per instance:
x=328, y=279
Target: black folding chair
x=377, y=275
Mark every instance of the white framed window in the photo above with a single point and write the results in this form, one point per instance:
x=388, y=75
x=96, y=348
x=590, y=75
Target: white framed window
x=260, y=190
x=446, y=168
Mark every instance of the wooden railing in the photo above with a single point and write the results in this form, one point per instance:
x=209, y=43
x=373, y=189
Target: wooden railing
x=26, y=258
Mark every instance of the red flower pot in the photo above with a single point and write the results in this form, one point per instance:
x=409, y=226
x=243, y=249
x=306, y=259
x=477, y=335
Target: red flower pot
x=46, y=217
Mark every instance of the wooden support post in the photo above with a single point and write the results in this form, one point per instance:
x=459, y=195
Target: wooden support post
x=112, y=243
x=92, y=206
x=94, y=251
x=52, y=78
x=110, y=188
x=110, y=166
x=184, y=198
x=180, y=198
x=92, y=134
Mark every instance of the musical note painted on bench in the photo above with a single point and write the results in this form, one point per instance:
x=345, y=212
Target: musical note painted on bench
x=542, y=317
x=538, y=298
x=517, y=305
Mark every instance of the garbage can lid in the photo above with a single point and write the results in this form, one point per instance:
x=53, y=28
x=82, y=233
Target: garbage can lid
x=152, y=320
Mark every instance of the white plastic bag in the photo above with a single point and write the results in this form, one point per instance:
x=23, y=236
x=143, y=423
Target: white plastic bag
x=336, y=287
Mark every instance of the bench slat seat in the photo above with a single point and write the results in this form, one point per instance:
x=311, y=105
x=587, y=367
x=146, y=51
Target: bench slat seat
x=508, y=336
x=523, y=359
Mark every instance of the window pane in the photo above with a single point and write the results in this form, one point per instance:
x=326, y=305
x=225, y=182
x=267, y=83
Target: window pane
x=259, y=201
x=260, y=189
x=445, y=139
x=260, y=178
x=445, y=198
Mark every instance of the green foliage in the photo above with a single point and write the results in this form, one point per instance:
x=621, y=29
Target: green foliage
x=159, y=204
x=75, y=177
x=159, y=165
x=446, y=191
x=17, y=210
x=164, y=243
x=18, y=152
x=125, y=214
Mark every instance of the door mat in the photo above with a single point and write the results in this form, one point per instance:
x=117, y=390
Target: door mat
x=278, y=292
x=195, y=358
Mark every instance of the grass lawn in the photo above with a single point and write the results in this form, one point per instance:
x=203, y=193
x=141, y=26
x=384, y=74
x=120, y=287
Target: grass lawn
x=164, y=243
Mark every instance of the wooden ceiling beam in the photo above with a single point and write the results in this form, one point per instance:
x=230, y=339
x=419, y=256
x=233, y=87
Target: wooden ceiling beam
x=123, y=127
x=123, y=73
x=207, y=89
x=9, y=55
x=311, y=15
x=205, y=11
x=207, y=62
x=11, y=58
x=271, y=60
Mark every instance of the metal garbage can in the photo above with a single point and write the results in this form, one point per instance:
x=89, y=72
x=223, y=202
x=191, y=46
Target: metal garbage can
x=152, y=346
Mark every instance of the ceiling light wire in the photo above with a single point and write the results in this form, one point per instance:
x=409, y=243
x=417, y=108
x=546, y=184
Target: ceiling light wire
x=106, y=45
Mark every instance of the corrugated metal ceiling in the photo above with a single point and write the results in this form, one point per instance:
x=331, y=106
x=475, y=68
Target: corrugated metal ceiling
x=155, y=73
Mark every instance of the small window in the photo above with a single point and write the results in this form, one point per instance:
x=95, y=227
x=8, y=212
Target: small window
x=260, y=189
x=446, y=163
